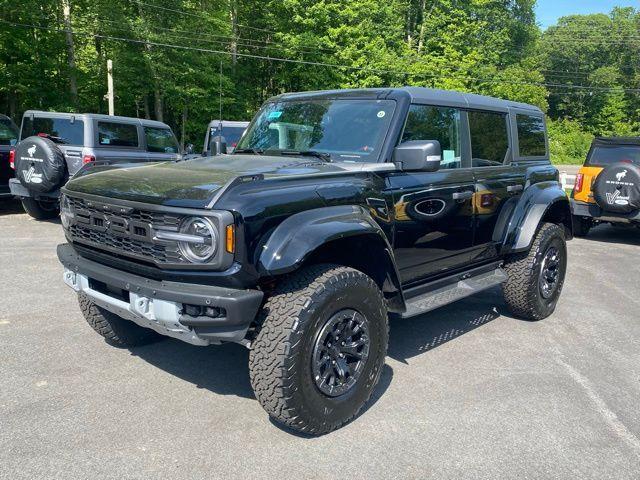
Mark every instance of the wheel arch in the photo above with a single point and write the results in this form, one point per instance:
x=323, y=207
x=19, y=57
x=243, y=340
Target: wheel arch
x=344, y=235
x=541, y=202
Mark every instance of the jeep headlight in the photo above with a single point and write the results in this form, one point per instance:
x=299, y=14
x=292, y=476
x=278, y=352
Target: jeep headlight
x=66, y=212
x=198, y=239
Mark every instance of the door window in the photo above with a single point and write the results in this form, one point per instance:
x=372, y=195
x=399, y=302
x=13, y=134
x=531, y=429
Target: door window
x=531, y=136
x=112, y=134
x=436, y=123
x=160, y=140
x=489, y=138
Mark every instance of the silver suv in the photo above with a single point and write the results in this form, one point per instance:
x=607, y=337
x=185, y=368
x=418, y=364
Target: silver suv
x=54, y=146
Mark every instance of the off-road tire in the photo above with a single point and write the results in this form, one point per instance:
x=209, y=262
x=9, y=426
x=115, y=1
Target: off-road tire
x=581, y=226
x=116, y=330
x=39, y=209
x=522, y=291
x=281, y=353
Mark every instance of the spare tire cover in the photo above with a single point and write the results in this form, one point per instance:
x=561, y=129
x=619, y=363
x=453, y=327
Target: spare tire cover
x=617, y=188
x=40, y=164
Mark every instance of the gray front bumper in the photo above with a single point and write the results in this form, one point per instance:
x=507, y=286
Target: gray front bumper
x=159, y=305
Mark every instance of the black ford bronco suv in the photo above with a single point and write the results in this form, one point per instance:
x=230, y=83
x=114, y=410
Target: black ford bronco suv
x=335, y=209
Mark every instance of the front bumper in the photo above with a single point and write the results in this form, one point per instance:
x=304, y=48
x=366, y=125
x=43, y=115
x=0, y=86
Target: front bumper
x=160, y=305
x=591, y=210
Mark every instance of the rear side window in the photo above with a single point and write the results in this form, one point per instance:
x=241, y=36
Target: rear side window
x=436, y=123
x=531, y=136
x=8, y=132
x=231, y=134
x=61, y=130
x=160, y=140
x=112, y=134
x=606, y=155
x=489, y=138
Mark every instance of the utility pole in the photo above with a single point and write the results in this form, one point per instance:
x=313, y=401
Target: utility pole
x=71, y=55
x=109, y=94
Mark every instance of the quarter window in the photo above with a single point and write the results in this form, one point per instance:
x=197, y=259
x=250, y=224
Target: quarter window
x=531, y=136
x=160, y=140
x=489, y=138
x=111, y=134
x=436, y=123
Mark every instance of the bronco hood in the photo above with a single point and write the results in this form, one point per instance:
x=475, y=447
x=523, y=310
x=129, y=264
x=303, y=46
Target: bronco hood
x=191, y=183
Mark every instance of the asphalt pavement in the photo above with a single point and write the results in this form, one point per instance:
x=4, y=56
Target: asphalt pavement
x=467, y=392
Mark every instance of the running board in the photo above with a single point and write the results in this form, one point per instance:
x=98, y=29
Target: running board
x=453, y=292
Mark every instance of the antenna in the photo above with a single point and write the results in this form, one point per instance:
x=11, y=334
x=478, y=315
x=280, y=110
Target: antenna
x=220, y=112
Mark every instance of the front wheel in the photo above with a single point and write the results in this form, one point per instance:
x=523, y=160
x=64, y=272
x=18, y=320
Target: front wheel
x=320, y=349
x=41, y=209
x=536, y=276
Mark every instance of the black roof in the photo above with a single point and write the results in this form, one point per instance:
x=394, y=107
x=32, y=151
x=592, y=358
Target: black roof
x=429, y=96
x=611, y=141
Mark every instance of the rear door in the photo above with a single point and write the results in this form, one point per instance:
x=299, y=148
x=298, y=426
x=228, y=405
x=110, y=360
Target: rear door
x=117, y=141
x=433, y=210
x=498, y=181
x=161, y=144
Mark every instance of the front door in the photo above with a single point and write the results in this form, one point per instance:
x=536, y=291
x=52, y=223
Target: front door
x=434, y=217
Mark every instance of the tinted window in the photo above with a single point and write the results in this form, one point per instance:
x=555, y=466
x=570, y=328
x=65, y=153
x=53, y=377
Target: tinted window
x=531, y=136
x=8, y=132
x=348, y=130
x=603, y=155
x=111, y=134
x=160, y=140
x=61, y=130
x=436, y=123
x=231, y=134
x=489, y=138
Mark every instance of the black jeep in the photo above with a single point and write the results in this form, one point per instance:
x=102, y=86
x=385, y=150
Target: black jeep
x=336, y=209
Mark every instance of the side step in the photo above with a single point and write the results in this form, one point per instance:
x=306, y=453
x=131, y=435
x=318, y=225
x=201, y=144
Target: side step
x=453, y=292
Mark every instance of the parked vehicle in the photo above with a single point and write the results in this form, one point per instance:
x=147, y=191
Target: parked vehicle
x=607, y=188
x=54, y=146
x=231, y=131
x=336, y=208
x=8, y=140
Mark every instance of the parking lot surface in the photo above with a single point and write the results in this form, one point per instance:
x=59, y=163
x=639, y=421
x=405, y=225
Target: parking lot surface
x=468, y=391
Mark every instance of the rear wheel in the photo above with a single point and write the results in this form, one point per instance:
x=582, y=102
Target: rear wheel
x=116, y=330
x=41, y=209
x=320, y=348
x=581, y=226
x=536, y=276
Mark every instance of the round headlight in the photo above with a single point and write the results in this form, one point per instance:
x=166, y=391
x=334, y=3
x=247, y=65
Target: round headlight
x=66, y=213
x=201, y=239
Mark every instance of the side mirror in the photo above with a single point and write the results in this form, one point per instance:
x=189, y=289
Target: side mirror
x=217, y=145
x=422, y=155
x=188, y=150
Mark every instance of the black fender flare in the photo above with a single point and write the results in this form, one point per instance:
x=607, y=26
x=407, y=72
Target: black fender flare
x=302, y=234
x=539, y=201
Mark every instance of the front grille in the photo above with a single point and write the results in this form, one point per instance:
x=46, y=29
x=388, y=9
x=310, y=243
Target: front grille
x=124, y=231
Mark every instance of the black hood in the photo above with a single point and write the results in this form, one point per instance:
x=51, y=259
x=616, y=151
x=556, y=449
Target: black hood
x=191, y=183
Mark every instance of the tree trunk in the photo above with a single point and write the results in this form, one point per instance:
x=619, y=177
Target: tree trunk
x=233, y=13
x=425, y=17
x=157, y=104
x=145, y=104
x=71, y=54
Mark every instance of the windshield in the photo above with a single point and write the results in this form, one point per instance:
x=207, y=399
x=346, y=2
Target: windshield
x=8, y=132
x=347, y=130
x=602, y=156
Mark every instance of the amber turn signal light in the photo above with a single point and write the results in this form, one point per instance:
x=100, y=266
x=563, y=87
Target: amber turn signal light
x=230, y=238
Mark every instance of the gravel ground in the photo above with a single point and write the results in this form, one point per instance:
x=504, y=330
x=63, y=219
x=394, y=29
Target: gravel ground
x=467, y=392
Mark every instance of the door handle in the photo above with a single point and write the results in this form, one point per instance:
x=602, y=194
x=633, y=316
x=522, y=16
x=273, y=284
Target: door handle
x=462, y=195
x=515, y=188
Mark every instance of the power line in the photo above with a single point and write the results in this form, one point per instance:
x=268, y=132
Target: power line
x=323, y=64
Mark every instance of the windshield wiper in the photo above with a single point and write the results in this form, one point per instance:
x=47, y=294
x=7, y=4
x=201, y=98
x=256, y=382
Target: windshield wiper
x=307, y=153
x=254, y=151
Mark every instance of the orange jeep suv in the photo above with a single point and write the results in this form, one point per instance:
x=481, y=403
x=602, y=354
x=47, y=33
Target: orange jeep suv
x=607, y=187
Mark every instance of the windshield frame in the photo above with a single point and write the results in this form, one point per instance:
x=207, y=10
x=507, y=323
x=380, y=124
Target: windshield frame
x=382, y=152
